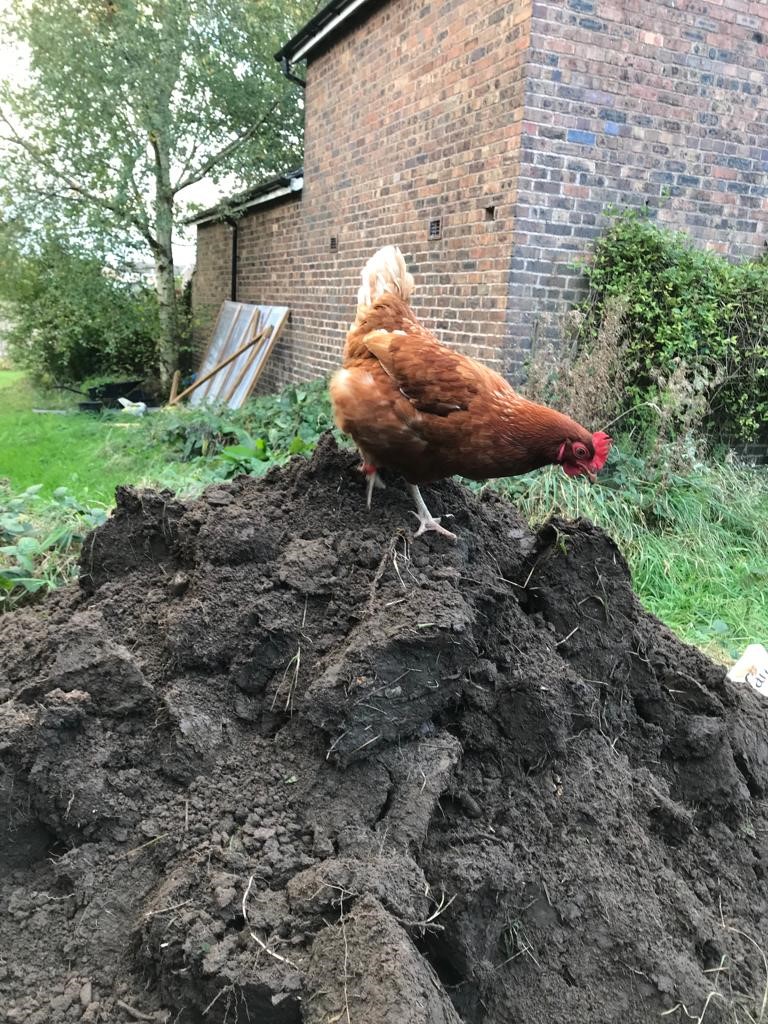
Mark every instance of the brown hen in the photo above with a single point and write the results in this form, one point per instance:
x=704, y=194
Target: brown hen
x=414, y=406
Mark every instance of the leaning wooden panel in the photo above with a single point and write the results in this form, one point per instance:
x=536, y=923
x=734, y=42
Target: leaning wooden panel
x=235, y=320
x=252, y=353
x=276, y=318
x=224, y=322
x=222, y=385
x=217, y=346
x=227, y=361
x=215, y=333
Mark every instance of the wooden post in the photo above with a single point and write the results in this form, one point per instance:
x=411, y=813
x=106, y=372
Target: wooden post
x=174, y=387
x=276, y=332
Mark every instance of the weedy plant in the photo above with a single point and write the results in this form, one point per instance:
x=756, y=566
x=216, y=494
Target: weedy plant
x=40, y=541
x=585, y=377
x=265, y=432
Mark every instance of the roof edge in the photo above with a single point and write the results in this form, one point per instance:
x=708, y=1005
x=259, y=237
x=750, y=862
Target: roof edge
x=326, y=25
x=281, y=187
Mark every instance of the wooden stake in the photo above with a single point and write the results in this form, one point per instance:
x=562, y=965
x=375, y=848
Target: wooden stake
x=218, y=367
x=174, y=387
x=277, y=330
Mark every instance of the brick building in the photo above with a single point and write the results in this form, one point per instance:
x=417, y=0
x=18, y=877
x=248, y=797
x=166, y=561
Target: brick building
x=487, y=139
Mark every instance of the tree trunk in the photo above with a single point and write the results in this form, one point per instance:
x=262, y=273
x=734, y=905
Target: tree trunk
x=168, y=342
x=165, y=285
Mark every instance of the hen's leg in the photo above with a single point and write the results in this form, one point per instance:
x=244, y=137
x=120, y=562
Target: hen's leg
x=374, y=480
x=426, y=520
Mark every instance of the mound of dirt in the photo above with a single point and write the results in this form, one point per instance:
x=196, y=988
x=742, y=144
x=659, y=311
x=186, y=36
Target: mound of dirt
x=273, y=761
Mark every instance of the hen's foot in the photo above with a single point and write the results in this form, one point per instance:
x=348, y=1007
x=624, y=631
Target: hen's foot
x=431, y=523
x=426, y=520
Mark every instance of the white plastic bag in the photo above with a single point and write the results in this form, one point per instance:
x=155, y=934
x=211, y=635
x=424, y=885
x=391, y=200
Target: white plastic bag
x=752, y=668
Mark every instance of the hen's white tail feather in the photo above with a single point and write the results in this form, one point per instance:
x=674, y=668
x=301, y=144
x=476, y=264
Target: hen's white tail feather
x=384, y=272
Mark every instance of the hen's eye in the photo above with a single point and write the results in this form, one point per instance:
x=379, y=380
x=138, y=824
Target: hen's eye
x=580, y=451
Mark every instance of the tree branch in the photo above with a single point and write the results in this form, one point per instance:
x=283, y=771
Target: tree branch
x=80, y=200
x=82, y=194
x=193, y=151
x=223, y=153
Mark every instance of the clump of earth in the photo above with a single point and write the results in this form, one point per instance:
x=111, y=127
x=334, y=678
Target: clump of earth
x=274, y=760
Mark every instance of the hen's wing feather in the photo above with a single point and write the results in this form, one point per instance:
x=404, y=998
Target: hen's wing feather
x=433, y=378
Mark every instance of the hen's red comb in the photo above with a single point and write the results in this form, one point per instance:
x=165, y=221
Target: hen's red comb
x=601, y=442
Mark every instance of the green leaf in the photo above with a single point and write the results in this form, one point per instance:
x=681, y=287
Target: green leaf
x=297, y=446
x=239, y=452
x=28, y=546
x=13, y=526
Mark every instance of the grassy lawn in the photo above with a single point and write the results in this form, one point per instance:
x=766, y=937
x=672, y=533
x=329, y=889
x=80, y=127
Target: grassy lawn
x=84, y=453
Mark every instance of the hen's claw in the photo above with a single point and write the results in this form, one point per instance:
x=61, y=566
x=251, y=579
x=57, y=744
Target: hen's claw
x=426, y=520
x=427, y=523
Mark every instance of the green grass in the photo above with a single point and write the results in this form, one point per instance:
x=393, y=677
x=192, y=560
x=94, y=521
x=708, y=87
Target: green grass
x=86, y=454
x=695, y=539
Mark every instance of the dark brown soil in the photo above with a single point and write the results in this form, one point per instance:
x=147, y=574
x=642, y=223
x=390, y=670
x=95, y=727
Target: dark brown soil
x=276, y=762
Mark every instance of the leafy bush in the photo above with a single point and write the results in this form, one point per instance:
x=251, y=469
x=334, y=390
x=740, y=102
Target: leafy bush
x=688, y=313
x=40, y=541
x=71, y=320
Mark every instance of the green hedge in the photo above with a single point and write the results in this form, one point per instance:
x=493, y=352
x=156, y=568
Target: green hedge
x=686, y=307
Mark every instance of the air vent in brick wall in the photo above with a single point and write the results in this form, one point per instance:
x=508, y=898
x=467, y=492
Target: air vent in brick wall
x=435, y=229
x=334, y=243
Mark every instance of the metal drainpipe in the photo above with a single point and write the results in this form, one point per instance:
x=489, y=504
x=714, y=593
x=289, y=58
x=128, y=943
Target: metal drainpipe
x=233, y=281
x=285, y=67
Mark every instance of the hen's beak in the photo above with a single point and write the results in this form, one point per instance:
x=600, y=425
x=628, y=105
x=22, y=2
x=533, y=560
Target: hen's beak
x=590, y=475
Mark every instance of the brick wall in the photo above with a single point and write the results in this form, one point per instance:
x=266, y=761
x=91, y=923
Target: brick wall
x=413, y=116
x=211, y=278
x=516, y=124
x=271, y=269
x=657, y=103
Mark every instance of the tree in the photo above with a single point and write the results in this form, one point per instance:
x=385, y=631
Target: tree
x=130, y=102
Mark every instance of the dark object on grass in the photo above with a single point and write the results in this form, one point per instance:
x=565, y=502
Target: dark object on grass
x=108, y=394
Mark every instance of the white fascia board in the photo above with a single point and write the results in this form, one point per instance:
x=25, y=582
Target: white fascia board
x=312, y=43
